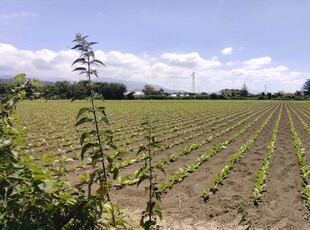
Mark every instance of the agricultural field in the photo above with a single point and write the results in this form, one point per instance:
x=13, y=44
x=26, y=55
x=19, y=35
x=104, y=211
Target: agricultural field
x=228, y=164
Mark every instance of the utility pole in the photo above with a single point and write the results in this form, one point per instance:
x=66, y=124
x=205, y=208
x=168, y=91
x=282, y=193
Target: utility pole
x=193, y=83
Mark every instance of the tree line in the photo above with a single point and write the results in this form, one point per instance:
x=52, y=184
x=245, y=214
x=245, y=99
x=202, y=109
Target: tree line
x=68, y=90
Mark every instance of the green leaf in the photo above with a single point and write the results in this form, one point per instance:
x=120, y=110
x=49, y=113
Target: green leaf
x=83, y=120
x=78, y=46
x=141, y=149
x=19, y=77
x=46, y=186
x=115, y=173
x=85, y=135
x=102, y=110
x=92, y=43
x=79, y=69
x=104, y=119
x=86, y=147
x=82, y=60
x=142, y=178
x=98, y=61
x=81, y=111
x=35, y=169
x=160, y=168
x=36, y=83
x=102, y=191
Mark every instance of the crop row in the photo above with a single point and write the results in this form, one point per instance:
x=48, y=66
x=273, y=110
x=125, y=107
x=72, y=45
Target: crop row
x=264, y=167
x=300, y=152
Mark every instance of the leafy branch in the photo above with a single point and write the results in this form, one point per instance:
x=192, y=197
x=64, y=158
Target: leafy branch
x=91, y=141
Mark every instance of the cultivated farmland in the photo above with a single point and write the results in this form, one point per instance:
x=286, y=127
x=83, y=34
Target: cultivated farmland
x=228, y=164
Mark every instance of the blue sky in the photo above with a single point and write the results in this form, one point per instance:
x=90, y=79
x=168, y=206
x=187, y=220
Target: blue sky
x=225, y=42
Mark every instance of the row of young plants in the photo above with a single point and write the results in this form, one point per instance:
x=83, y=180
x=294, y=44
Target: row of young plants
x=132, y=179
x=303, y=165
x=304, y=107
x=59, y=140
x=183, y=173
x=302, y=121
x=127, y=161
x=262, y=171
x=52, y=112
x=62, y=141
x=60, y=161
x=187, y=149
x=221, y=175
x=47, y=159
x=53, y=129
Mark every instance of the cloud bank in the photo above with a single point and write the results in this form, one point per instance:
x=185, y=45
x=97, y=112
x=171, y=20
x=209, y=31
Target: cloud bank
x=170, y=70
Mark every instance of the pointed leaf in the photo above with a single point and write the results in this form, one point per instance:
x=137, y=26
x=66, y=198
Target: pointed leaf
x=87, y=147
x=79, y=69
x=19, y=77
x=78, y=46
x=83, y=137
x=115, y=173
x=99, y=62
x=105, y=120
x=160, y=168
x=82, y=110
x=141, y=149
x=36, y=82
x=82, y=60
x=102, y=110
x=83, y=120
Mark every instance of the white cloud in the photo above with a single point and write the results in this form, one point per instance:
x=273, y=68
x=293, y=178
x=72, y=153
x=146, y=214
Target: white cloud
x=227, y=51
x=257, y=62
x=170, y=70
x=7, y=17
x=190, y=60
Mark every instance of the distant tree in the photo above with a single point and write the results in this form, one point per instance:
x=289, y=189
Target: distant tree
x=63, y=89
x=110, y=90
x=148, y=90
x=298, y=93
x=279, y=94
x=81, y=90
x=244, y=90
x=213, y=96
x=306, y=88
x=47, y=91
x=269, y=96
